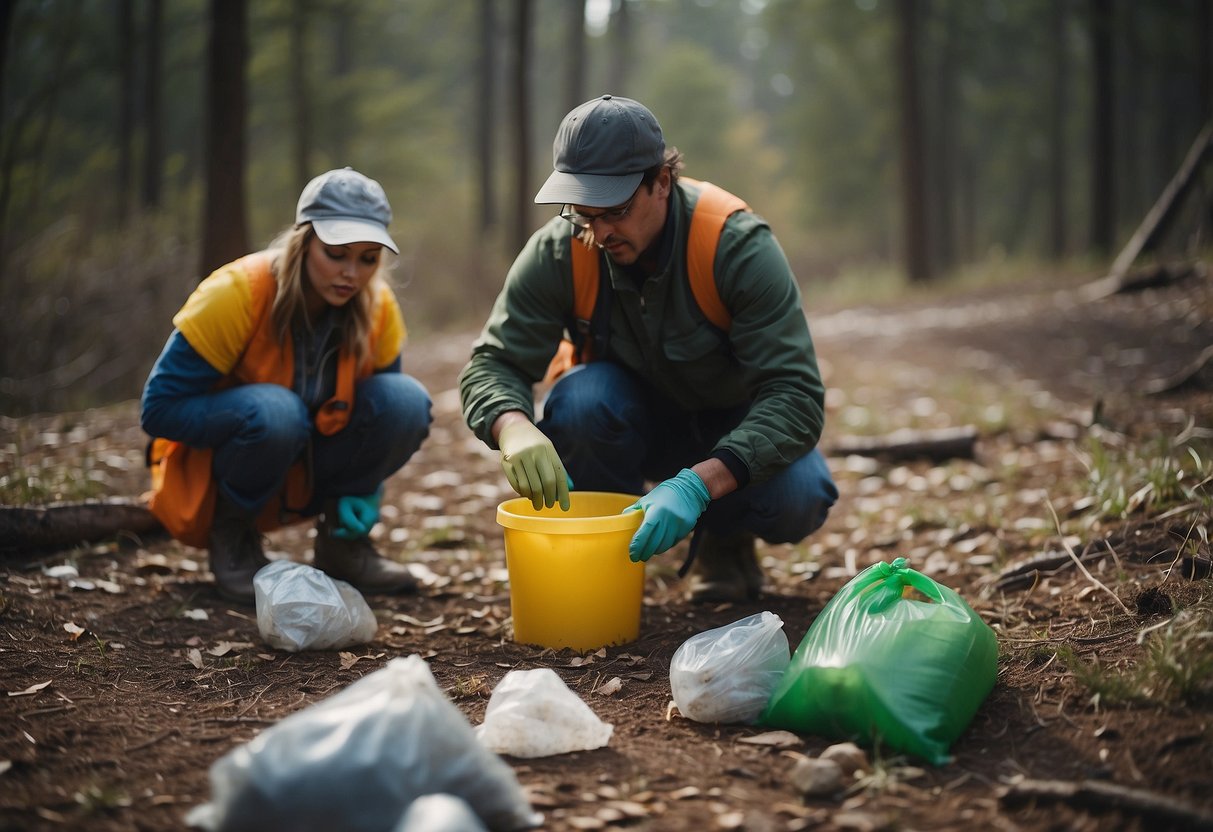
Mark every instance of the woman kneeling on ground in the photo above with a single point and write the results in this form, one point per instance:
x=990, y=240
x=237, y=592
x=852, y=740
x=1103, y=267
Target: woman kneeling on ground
x=279, y=396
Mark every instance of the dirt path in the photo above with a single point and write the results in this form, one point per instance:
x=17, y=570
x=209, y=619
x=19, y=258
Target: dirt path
x=126, y=681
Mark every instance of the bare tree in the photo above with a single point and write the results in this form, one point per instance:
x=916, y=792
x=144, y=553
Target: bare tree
x=575, y=43
x=1059, y=55
x=338, y=109
x=300, y=100
x=153, y=144
x=942, y=151
x=522, y=122
x=1203, y=30
x=621, y=49
x=486, y=114
x=1103, y=182
x=913, y=175
x=126, y=104
x=224, y=229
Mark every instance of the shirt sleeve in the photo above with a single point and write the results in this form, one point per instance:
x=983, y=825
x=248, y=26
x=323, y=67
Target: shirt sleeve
x=391, y=330
x=178, y=375
x=217, y=319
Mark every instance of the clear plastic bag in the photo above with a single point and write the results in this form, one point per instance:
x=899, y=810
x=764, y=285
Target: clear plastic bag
x=532, y=713
x=728, y=674
x=439, y=813
x=357, y=760
x=880, y=664
x=301, y=608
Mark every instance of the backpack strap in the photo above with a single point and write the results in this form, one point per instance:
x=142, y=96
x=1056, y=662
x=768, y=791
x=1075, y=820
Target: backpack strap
x=713, y=209
x=587, y=279
x=591, y=309
x=587, y=285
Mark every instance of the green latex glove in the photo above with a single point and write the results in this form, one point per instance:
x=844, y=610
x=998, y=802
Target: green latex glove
x=356, y=516
x=671, y=510
x=532, y=465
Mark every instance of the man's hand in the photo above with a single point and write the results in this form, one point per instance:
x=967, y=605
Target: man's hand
x=671, y=510
x=356, y=516
x=532, y=465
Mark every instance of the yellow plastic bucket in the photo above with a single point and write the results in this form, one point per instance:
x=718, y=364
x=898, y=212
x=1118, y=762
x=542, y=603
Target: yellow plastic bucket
x=571, y=583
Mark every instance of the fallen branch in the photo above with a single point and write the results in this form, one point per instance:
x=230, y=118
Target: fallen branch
x=1026, y=574
x=936, y=445
x=1103, y=796
x=67, y=524
x=1184, y=376
x=1164, y=209
x=1150, y=277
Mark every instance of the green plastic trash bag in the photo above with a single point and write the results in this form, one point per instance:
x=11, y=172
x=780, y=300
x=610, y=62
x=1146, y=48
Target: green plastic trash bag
x=879, y=665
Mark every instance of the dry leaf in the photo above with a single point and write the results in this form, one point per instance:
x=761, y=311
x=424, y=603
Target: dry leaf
x=629, y=808
x=225, y=647
x=730, y=820
x=685, y=793
x=416, y=622
x=610, y=688
x=776, y=739
x=31, y=690
x=348, y=660
x=75, y=629
x=195, y=657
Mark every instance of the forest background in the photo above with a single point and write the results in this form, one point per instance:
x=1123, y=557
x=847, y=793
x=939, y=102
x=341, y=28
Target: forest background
x=889, y=143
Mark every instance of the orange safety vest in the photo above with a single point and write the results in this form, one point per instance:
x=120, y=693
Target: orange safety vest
x=712, y=210
x=183, y=485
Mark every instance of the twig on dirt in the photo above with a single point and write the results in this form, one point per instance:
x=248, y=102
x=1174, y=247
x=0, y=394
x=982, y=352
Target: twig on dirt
x=1179, y=552
x=1189, y=373
x=153, y=740
x=1103, y=796
x=1070, y=551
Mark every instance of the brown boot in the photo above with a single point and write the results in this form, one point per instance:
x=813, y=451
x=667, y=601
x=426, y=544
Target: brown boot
x=725, y=569
x=355, y=561
x=235, y=551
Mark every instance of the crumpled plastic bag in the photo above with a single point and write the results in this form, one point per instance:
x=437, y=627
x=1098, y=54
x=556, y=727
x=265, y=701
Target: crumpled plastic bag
x=532, y=713
x=879, y=664
x=301, y=608
x=439, y=813
x=357, y=760
x=728, y=674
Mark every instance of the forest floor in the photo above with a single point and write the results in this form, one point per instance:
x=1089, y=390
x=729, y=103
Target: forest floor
x=124, y=682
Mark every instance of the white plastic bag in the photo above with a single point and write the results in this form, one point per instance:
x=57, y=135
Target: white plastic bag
x=301, y=608
x=439, y=813
x=532, y=713
x=357, y=760
x=728, y=674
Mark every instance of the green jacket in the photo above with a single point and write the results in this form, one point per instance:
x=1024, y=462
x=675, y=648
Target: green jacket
x=657, y=330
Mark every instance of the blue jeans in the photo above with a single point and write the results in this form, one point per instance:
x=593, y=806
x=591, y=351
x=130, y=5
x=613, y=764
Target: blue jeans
x=259, y=430
x=613, y=432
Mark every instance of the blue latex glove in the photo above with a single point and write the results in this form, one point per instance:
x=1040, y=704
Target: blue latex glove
x=671, y=510
x=356, y=516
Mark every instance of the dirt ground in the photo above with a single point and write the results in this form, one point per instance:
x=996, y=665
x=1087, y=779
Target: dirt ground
x=126, y=682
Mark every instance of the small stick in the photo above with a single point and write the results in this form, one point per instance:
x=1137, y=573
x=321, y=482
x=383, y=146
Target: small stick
x=1070, y=551
x=1099, y=795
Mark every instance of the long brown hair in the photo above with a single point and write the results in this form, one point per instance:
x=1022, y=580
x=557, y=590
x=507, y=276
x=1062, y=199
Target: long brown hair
x=354, y=322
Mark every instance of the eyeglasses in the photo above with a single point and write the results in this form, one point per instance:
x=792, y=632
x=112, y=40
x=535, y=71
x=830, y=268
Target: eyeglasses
x=586, y=221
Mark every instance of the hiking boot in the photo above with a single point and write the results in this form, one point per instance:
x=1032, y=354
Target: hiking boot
x=235, y=551
x=725, y=569
x=355, y=561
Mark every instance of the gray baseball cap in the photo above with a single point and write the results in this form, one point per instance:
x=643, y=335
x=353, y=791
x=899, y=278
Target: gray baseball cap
x=602, y=149
x=345, y=207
